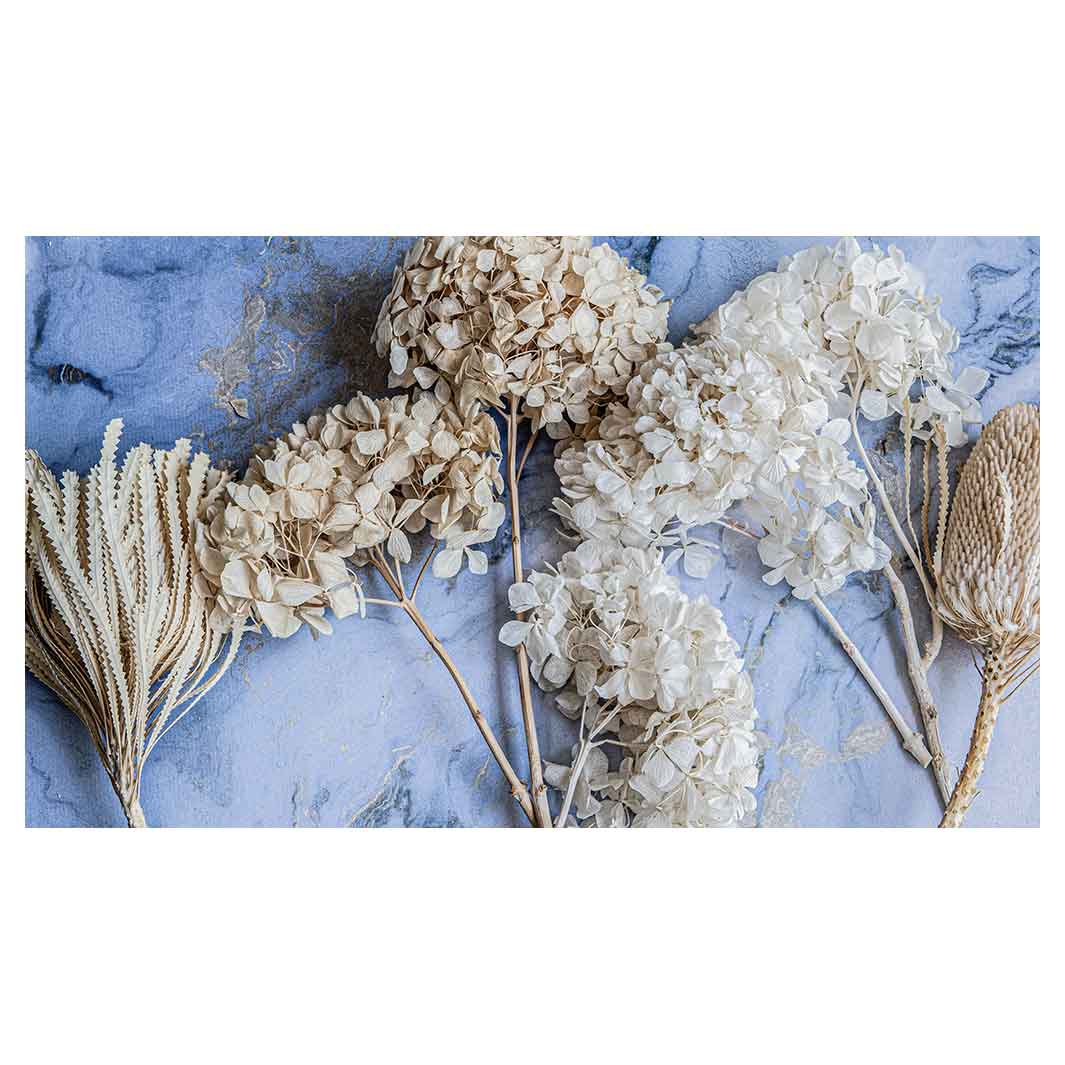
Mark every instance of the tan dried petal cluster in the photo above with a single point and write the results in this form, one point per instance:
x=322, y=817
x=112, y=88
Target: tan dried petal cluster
x=275, y=548
x=552, y=320
x=989, y=573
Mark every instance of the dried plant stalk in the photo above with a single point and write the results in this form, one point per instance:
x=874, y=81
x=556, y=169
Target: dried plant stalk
x=536, y=769
x=911, y=741
x=114, y=623
x=917, y=664
x=393, y=578
x=989, y=574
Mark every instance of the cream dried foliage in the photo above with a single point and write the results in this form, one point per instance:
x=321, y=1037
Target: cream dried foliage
x=275, y=548
x=115, y=625
x=988, y=574
x=552, y=320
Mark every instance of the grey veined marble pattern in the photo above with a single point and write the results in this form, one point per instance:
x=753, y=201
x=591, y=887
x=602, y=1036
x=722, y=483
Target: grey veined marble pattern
x=230, y=340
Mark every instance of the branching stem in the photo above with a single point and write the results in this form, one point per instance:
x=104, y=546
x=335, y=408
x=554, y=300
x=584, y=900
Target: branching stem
x=911, y=741
x=517, y=788
x=919, y=680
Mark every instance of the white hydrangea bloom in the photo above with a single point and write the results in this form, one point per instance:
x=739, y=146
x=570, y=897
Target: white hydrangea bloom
x=757, y=409
x=704, y=429
x=552, y=320
x=611, y=631
x=851, y=322
x=274, y=547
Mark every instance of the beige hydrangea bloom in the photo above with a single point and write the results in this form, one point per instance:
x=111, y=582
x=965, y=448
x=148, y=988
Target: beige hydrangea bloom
x=275, y=548
x=553, y=320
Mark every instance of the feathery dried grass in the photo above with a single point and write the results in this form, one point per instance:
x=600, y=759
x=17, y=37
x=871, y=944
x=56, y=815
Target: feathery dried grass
x=114, y=624
x=988, y=576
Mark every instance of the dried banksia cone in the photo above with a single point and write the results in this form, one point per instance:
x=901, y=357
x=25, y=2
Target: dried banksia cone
x=988, y=576
x=114, y=623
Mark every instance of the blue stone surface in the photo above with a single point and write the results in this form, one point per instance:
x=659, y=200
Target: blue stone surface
x=229, y=340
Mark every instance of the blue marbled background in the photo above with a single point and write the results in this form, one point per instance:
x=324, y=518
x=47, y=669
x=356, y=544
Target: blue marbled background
x=182, y=337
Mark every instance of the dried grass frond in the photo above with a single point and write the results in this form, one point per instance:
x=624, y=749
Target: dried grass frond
x=114, y=623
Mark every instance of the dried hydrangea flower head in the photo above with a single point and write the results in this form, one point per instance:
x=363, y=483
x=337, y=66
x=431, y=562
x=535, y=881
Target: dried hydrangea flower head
x=988, y=577
x=552, y=320
x=657, y=672
x=274, y=548
x=704, y=428
x=114, y=623
x=836, y=320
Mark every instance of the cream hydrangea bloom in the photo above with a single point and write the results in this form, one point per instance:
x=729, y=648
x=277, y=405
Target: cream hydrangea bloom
x=274, y=548
x=612, y=633
x=757, y=409
x=704, y=429
x=846, y=324
x=553, y=320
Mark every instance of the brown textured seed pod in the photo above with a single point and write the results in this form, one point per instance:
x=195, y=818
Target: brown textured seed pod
x=988, y=575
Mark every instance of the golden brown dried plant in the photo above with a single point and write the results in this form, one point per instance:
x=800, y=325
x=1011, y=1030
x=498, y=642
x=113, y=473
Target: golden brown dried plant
x=114, y=623
x=987, y=570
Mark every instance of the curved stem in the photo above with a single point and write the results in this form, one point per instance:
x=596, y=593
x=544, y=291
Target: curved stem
x=990, y=703
x=911, y=741
x=517, y=788
x=918, y=671
x=536, y=769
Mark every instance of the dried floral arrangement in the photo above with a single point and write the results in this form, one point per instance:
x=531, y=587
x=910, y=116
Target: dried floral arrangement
x=542, y=329
x=754, y=413
x=136, y=581
x=114, y=624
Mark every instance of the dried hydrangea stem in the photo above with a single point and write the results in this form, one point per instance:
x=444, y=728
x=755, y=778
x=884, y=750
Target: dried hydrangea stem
x=990, y=703
x=918, y=671
x=536, y=769
x=911, y=741
x=517, y=788
x=889, y=509
x=574, y=776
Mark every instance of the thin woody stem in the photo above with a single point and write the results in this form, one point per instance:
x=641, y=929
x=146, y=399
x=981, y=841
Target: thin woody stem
x=885, y=502
x=917, y=663
x=575, y=772
x=919, y=680
x=525, y=453
x=911, y=741
x=517, y=788
x=536, y=769
x=421, y=572
x=936, y=639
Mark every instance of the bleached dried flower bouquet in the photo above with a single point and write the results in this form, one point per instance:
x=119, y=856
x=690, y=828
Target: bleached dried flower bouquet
x=135, y=583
